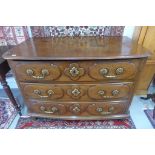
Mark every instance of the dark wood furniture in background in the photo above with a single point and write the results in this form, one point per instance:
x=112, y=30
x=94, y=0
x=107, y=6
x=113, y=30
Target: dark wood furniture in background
x=4, y=69
x=77, y=77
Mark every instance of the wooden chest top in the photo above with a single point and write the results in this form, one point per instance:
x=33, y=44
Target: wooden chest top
x=76, y=48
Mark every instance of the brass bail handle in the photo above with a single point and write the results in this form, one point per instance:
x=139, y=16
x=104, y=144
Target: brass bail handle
x=44, y=72
x=38, y=92
x=53, y=110
x=104, y=72
x=114, y=93
x=102, y=112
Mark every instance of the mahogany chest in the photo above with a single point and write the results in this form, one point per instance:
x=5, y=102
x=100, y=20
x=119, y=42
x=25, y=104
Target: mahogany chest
x=77, y=77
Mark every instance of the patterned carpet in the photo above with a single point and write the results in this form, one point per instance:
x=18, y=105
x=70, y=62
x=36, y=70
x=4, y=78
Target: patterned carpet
x=7, y=113
x=43, y=123
x=149, y=114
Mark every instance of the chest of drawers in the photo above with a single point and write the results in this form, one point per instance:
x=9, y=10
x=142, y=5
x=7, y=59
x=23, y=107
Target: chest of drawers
x=77, y=77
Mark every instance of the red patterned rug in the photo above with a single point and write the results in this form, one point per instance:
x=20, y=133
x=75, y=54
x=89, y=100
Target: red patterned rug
x=7, y=113
x=44, y=123
x=149, y=114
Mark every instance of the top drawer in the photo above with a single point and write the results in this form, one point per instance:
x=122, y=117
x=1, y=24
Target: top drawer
x=42, y=71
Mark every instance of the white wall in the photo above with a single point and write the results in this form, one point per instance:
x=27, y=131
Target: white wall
x=128, y=31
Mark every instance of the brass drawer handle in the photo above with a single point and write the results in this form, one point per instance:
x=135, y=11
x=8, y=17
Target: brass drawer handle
x=53, y=110
x=74, y=71
x=44, y=73
x=104, y=72
x=110, y=76
x=102, y=94
x=107, y=96
x=49, y=92
x=102, y=112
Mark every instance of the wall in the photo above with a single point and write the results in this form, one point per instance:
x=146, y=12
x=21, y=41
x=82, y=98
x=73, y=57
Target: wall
x=128, y=31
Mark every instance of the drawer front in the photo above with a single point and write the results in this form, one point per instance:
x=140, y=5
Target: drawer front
x=40, y=71
x=78, y=109
x=112, y=70
x=77, y=92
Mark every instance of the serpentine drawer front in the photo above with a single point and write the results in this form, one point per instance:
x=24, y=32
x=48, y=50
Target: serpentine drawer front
x=78, y=92
x=77, y=77
x=78, y=109
x=76, y=70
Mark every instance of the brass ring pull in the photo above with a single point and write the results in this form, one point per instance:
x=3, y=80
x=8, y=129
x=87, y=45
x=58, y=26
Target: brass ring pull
x=53, y=110
x=38, y=92
x=44, y=73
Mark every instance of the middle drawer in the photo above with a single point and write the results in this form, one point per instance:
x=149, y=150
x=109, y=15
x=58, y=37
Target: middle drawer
x=77, y=92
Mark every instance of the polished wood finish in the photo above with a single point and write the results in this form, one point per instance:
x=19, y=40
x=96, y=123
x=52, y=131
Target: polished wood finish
x=77, y=109
x=72, y=92
x=84, y=70
x=77, y=77
x=4, y=69
x=76, y=48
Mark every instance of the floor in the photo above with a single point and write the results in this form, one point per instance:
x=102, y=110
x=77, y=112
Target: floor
x=136, y=110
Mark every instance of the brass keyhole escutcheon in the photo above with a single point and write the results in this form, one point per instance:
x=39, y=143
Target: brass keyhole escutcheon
x=76, y=109
x=76, y=92
x=74, y=71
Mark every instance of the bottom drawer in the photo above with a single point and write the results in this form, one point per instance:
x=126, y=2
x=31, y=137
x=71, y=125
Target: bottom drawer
x=78, y=109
